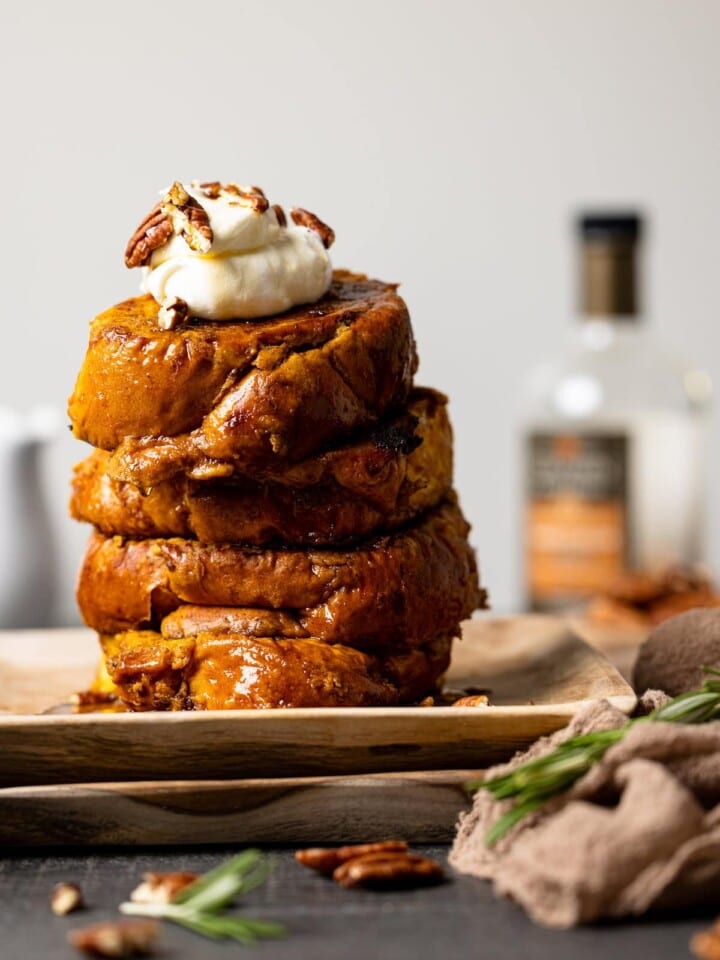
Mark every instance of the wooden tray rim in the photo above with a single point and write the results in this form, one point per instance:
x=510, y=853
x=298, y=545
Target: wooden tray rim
x=624, y=702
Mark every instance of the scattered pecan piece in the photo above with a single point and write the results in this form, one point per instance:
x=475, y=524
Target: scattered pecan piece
x=303, y=218
x=211, y=189
x=246, y=196
x=706, y=944
x=92, y=698
x=427, y=702
x=126, y=938
x=155, y=230
x=258, y=202
x=383, y=871
x=279, y=215
x=327, y=859
x=161, y=887
x=477, y=700
x=172, y=313
x=65, y=898
x=188, y=217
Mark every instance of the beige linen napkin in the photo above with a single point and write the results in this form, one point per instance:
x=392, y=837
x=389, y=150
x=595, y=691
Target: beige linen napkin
x=641, y=831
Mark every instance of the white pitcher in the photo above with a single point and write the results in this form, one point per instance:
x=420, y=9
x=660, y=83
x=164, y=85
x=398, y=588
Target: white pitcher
x=27, y=555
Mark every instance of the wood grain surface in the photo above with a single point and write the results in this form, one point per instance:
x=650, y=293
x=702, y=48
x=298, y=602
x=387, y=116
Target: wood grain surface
x=536, y=670
x=420, y=807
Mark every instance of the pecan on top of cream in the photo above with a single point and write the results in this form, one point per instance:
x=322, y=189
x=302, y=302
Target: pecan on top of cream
x=190, y=220
x=304, y=218
x=236, y=196
x=227, y=253
x=172, y=313
x=154, y=231
x=179, y=214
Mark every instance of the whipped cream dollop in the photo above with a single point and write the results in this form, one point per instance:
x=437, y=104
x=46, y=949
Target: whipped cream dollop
x=223, y=251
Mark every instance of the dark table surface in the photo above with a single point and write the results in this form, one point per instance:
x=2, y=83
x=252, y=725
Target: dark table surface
x=461, y=918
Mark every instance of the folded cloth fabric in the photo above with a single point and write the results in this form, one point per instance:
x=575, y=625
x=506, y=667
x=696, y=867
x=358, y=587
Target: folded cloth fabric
x=640, y=832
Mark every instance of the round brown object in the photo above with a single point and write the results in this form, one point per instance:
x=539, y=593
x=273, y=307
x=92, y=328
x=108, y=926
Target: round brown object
x=408, y=587
x=231, y=671
x=672, y=656
x=278, y=388
x=401, y=469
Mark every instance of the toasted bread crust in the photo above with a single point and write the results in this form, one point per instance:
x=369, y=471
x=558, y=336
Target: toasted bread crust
x=280, y=388
x=405, y=588
x=399, y=470
x=232, y=671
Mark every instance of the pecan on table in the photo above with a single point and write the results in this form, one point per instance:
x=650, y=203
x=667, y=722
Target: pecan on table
x=162, y=887
x=389, y=871
x=126, y=938
x=327, y=859
x=706, y=944
x=65, y=898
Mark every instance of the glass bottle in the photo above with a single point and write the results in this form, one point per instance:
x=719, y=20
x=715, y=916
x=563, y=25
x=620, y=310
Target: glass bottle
x=613, y=437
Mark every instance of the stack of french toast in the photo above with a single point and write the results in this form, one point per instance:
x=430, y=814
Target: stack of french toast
x=272, y=503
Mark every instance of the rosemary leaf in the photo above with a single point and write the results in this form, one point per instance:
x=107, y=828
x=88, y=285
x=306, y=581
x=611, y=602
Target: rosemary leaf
x=217, y=888
x=231, y=928
x=696, y=707
x=200, y=907
x=510, y=818
x=533, y=783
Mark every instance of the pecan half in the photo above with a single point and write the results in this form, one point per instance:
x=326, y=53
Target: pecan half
x=161, y=887
x=384, y=871
x=154, y=231
x=327, y=859
x=303, y=218
x=478, y=700
x=126, y=938
x=188, y=217
x=279, y=215
x=246, y=197
x=65, y=898
x=172, y=313
x=706, y=944
x=210, y=188
x=241, y=196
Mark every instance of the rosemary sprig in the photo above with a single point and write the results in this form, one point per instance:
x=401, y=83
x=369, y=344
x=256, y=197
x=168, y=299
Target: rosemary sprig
x=200, y=906
x=532, y=784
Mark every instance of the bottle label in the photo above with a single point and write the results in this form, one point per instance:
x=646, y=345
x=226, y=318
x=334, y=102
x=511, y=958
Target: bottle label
x=577, y=515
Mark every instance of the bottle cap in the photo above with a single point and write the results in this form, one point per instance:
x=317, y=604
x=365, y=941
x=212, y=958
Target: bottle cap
x=610, y=226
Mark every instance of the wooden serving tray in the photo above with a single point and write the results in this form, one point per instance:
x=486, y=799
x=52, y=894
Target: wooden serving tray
x=537, y=670
x=302, y=811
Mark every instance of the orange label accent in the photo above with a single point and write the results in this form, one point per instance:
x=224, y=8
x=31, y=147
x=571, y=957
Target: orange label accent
x=575, y=547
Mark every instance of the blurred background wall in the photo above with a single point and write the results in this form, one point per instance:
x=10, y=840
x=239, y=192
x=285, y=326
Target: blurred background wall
x=448, y=144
